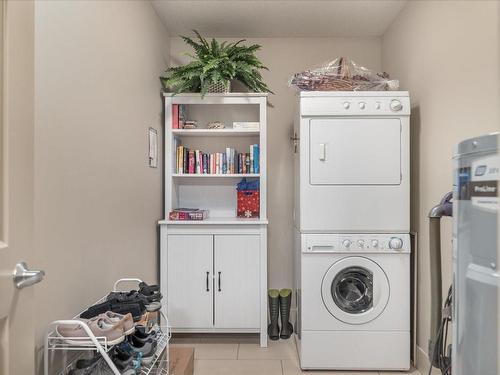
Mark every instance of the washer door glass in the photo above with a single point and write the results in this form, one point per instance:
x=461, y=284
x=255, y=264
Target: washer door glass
x=355, y=290
x=352, y=290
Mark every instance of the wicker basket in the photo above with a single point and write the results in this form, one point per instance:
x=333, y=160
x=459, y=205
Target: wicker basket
x=219, y=87
x=342, y=75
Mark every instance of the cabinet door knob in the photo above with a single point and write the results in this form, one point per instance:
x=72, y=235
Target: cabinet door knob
x=208, y=285
x=220, y=290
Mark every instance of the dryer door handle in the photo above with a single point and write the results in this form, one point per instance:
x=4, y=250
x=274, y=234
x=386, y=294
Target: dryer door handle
x=322, y=151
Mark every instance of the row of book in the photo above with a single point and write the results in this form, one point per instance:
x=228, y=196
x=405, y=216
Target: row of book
x=228, y=162
x=178, y=116
x=188, y=214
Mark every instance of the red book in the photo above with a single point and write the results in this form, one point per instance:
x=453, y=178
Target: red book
x=175, y=116
x=188, y=214
x=192, y=162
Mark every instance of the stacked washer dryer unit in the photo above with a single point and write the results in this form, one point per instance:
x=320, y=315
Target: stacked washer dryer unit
x=352, y=221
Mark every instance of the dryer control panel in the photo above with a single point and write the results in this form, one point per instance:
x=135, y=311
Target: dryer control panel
x=356, y=243
x=383, y=103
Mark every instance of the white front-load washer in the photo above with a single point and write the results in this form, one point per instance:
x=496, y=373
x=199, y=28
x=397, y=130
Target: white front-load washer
x=354, y=301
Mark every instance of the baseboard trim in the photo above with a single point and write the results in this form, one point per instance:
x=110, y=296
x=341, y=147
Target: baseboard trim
x=423, y=364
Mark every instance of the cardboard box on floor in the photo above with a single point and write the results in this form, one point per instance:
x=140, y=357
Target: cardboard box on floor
x=181, y=360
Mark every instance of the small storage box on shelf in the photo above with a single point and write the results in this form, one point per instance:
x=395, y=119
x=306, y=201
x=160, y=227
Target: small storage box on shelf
x=53, y=342
x=214, y=272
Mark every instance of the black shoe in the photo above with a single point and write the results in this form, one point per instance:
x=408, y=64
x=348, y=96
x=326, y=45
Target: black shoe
x=134, y=297
x=273, y=330
x=123, y=361
x=134, y=308
x=95, y=310
x=146, y=348
x=86, y=366
x=285, y=304
x=143, y=334
x=152, y=292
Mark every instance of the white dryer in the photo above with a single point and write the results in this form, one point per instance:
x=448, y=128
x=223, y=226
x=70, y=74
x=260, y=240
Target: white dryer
x=353, y=301
x=352, y=164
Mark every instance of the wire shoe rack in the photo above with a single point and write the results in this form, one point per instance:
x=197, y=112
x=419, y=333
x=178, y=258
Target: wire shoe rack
x=53, y=342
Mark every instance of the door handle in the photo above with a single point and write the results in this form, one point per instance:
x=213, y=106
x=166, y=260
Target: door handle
x=219, y=282
x=322, y=151
x=208, y=285
x=295, y=142
x=23, y=277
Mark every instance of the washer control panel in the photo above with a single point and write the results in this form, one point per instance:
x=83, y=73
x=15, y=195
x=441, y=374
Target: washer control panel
x=356, y=243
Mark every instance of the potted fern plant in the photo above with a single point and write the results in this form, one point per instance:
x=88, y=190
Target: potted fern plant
x=214, y=66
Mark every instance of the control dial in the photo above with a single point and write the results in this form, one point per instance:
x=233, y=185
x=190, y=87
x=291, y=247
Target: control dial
x=347, y=105
x=362, y=105
x=374, y=243
x=395, y=243
x=361, y=243
x=346, y=243
x=396, y=105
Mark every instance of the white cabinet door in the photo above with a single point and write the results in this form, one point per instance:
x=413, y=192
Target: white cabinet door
x=190, y=281
x=355, y=151
x=237, y=280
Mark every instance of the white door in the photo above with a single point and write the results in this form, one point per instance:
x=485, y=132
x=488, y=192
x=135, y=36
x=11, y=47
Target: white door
x=355, y=151
x=17, y=339
x=190, y=281
x=237, y=298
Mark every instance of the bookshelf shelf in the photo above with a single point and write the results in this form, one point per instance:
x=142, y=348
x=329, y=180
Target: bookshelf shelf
x=227, y=175
x=215, y=132
x=218, y=221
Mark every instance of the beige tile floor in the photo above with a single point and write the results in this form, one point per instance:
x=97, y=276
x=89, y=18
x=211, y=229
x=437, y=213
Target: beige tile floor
x=242, y=355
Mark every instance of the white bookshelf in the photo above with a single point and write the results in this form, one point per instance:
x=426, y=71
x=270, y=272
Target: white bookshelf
x=214, y=140
x=237, y=246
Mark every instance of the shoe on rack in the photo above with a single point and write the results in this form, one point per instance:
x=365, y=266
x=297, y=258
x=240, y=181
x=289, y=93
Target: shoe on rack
x=144, y=334
x=126, y=359
x=148, y=320
x=273, y=329
x=285, y=304
x=86, y=366
x=75, y=334
x=150, y=291
x=153, y=306
x=93, y=311
x=126, y=320
x=134, y=308
x=145, y=349
x=134, y=297
x=123, y=362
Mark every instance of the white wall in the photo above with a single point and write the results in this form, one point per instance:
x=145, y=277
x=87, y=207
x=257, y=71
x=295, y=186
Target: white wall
x=96, y=199
x=284, y=57
x=446, y=54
